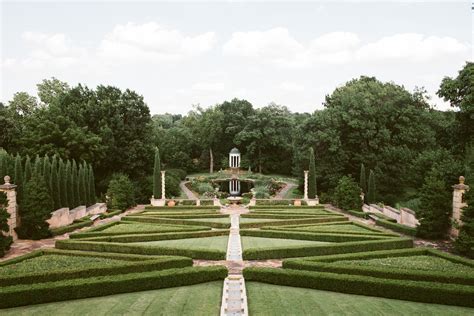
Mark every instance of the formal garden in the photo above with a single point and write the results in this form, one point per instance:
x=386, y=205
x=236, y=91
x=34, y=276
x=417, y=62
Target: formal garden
x=233, y=210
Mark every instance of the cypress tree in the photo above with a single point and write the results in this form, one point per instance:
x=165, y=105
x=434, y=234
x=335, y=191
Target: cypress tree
x=86, y=184
x=28, y=171
x=157, y=175
x=312, y=187
x=3, y=165
x=18, y=178
x=62, y=183
x=371, y=194
x=75, y=184
x=55, y=193
x=47, y=172
x=82, y=192
x=362, y=179
x=69, y=186
x=38, y=166
x=91, y=185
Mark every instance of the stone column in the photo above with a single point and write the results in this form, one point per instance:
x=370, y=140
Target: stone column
x=163, y=196
x=10, y=191
x=306, y=184
x=458, y=203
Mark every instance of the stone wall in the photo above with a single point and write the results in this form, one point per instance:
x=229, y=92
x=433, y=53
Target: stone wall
x=404, y=216
x=65, y=216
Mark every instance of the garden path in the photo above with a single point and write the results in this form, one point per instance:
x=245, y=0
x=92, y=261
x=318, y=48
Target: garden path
x=189, y=194
x=282, y=193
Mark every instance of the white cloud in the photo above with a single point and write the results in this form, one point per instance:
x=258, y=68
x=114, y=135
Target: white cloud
x=151, y=42
x=291, y=87
x=208, y=86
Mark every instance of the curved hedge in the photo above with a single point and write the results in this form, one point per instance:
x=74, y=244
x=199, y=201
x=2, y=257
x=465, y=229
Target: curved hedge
x=428, y=292
x=19, y=295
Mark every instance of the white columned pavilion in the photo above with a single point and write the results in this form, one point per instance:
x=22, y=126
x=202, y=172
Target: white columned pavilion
x=234, y=158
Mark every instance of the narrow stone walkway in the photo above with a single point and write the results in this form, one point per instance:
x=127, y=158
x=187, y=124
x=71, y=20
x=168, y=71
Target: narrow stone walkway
x=281, y=195
x=234, y=295
x=189, y=194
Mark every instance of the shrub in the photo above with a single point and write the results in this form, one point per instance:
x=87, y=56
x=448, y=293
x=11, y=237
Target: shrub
x=172, y=188
x=358, y=213
x=261, y=192
x=70, y=228
x=120, y=192
x=5, y=241
x=177, y=173
x=347, y=194
x=203, y=187
x=465, y=241
x=397, y=227
x=35, y=209
x=110, y=213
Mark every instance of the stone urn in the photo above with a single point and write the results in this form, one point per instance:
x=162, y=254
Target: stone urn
x=171, y=203
x=297, y=203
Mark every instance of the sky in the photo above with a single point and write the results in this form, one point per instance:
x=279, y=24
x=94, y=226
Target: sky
x=180, y=54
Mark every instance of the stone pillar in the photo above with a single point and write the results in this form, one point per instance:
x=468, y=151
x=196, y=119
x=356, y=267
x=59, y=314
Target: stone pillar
x=458, y=203
x=10, y=191
x=306, y=184
x=163, y=196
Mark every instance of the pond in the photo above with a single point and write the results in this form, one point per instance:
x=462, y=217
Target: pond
x=234, y=187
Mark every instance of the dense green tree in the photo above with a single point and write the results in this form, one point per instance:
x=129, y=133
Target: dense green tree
x=47, y=170
x=363, y=179
x=91, y=184
x=69, y=185
x=35, y=209
x=465, y=241
x=372, y=189
x=120, y=193
x=38, y=169
x=347, y=194
x=435, y=209
x=50, y=90
x=157, y=175
x=75, y=184
x=62, y=183
x=5, y=240
x=18, y=175
x=82, y=186
x=28, y=169
x=312, y=186
x=55, y=188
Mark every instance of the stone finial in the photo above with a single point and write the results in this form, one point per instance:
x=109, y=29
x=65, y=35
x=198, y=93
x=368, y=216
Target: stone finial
x=6, y=179
x=461, y=180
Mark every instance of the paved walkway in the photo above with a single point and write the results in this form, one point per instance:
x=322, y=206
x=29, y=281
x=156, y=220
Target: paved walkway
x=282, y=193
x=24, y=246
x=189, y=194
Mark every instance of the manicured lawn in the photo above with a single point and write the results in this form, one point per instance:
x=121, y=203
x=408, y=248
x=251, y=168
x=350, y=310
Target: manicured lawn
x=257, y=220
x=335, y=228
x=144, y=228
x=249, y=242
x=428, y=263
x=200, y=299
x=213, y=243
x=210, y=219
x=56, y=262
x=268, y=299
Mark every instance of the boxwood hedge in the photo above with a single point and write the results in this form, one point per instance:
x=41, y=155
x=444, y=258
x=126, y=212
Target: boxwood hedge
x=294, y=221
x=411, y=231
x=70, y=228
x=149, y=219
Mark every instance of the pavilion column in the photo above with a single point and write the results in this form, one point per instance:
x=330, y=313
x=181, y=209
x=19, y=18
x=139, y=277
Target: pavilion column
x=163, y=196
x=306, y=184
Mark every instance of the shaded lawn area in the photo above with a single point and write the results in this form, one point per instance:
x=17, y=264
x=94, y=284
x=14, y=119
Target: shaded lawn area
x=213, y=243
x=427, y=263
x=268, y=299
x=52, y=263
x=335, y=228
x=199, y=299
x=146, y=228
x=249, y=242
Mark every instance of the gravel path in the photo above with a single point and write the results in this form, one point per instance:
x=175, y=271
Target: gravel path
x=189, y=194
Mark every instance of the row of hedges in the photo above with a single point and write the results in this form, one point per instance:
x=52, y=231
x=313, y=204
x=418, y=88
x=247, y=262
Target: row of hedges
x=149, y=219
x=428, y=292
x=277, y=204
x=294, y=221
x=187, y=216
x=340, y=232
x=144, y=265
x=110, y=213
x=321, y=250
x=181, y=207
x=287, y=215
x=382, y=217
x=411, y=231
x=72, y=227
x=107, y=285
x=359, y=214
x=263, y=202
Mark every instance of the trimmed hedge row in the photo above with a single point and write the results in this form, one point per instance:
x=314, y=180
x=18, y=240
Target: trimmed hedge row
x=321, y=250
x=107, y=285
x=428, y=292
x=288, y=215
x=337, y=232
x=159, y=236
x=110, y=213
x=280, y=206
x=148, y=219
x=143, y=250
x=187, y=213
x=144, y=265
x=382, y=217
x=70, y=228
x=189, y=216
x=294, y=221
x=286, y=202
x=411, y=231
x=358, y=214
x=181, y=207
x=207, y=202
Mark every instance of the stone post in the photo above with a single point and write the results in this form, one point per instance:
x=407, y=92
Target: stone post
x=306, y=184
x=163, y=196
x=458, y=203
x=10, y=191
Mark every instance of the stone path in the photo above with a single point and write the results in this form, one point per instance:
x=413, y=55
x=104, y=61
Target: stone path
x=189, y=194
x=281, y=195
x=23, y=246
x=234, y=295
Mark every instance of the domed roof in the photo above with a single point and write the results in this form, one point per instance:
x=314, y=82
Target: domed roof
x=234, y=151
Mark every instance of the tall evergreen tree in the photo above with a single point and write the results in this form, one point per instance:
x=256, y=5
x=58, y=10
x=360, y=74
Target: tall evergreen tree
x=86, y=184
x=55, y=193
x=18, y=178
x=75, y=184
x=91, y=186
x=157, y=175
x=363, y=179
x=62, y=183
x=372, y=193
x=38, y=166
x=3, y=165
x=28, y=170
x=312, y=187
x=69, y=185
x=82, y=192
x=47, y=172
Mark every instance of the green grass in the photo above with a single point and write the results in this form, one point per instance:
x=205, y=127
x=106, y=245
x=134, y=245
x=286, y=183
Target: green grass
x=143, y=228
x=258, y=220
x=334, y=228
x=50, y=263
x=268, y=299
x=211, y=220
x=212, y=243
x=426, y=263
x=249, y=242
x=200, y=299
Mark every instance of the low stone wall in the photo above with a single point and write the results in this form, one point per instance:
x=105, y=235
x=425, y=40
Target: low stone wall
x=404, y=216
x=65, y=216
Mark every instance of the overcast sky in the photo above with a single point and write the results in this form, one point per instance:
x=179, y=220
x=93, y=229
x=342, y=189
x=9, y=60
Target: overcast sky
x=180, y=54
